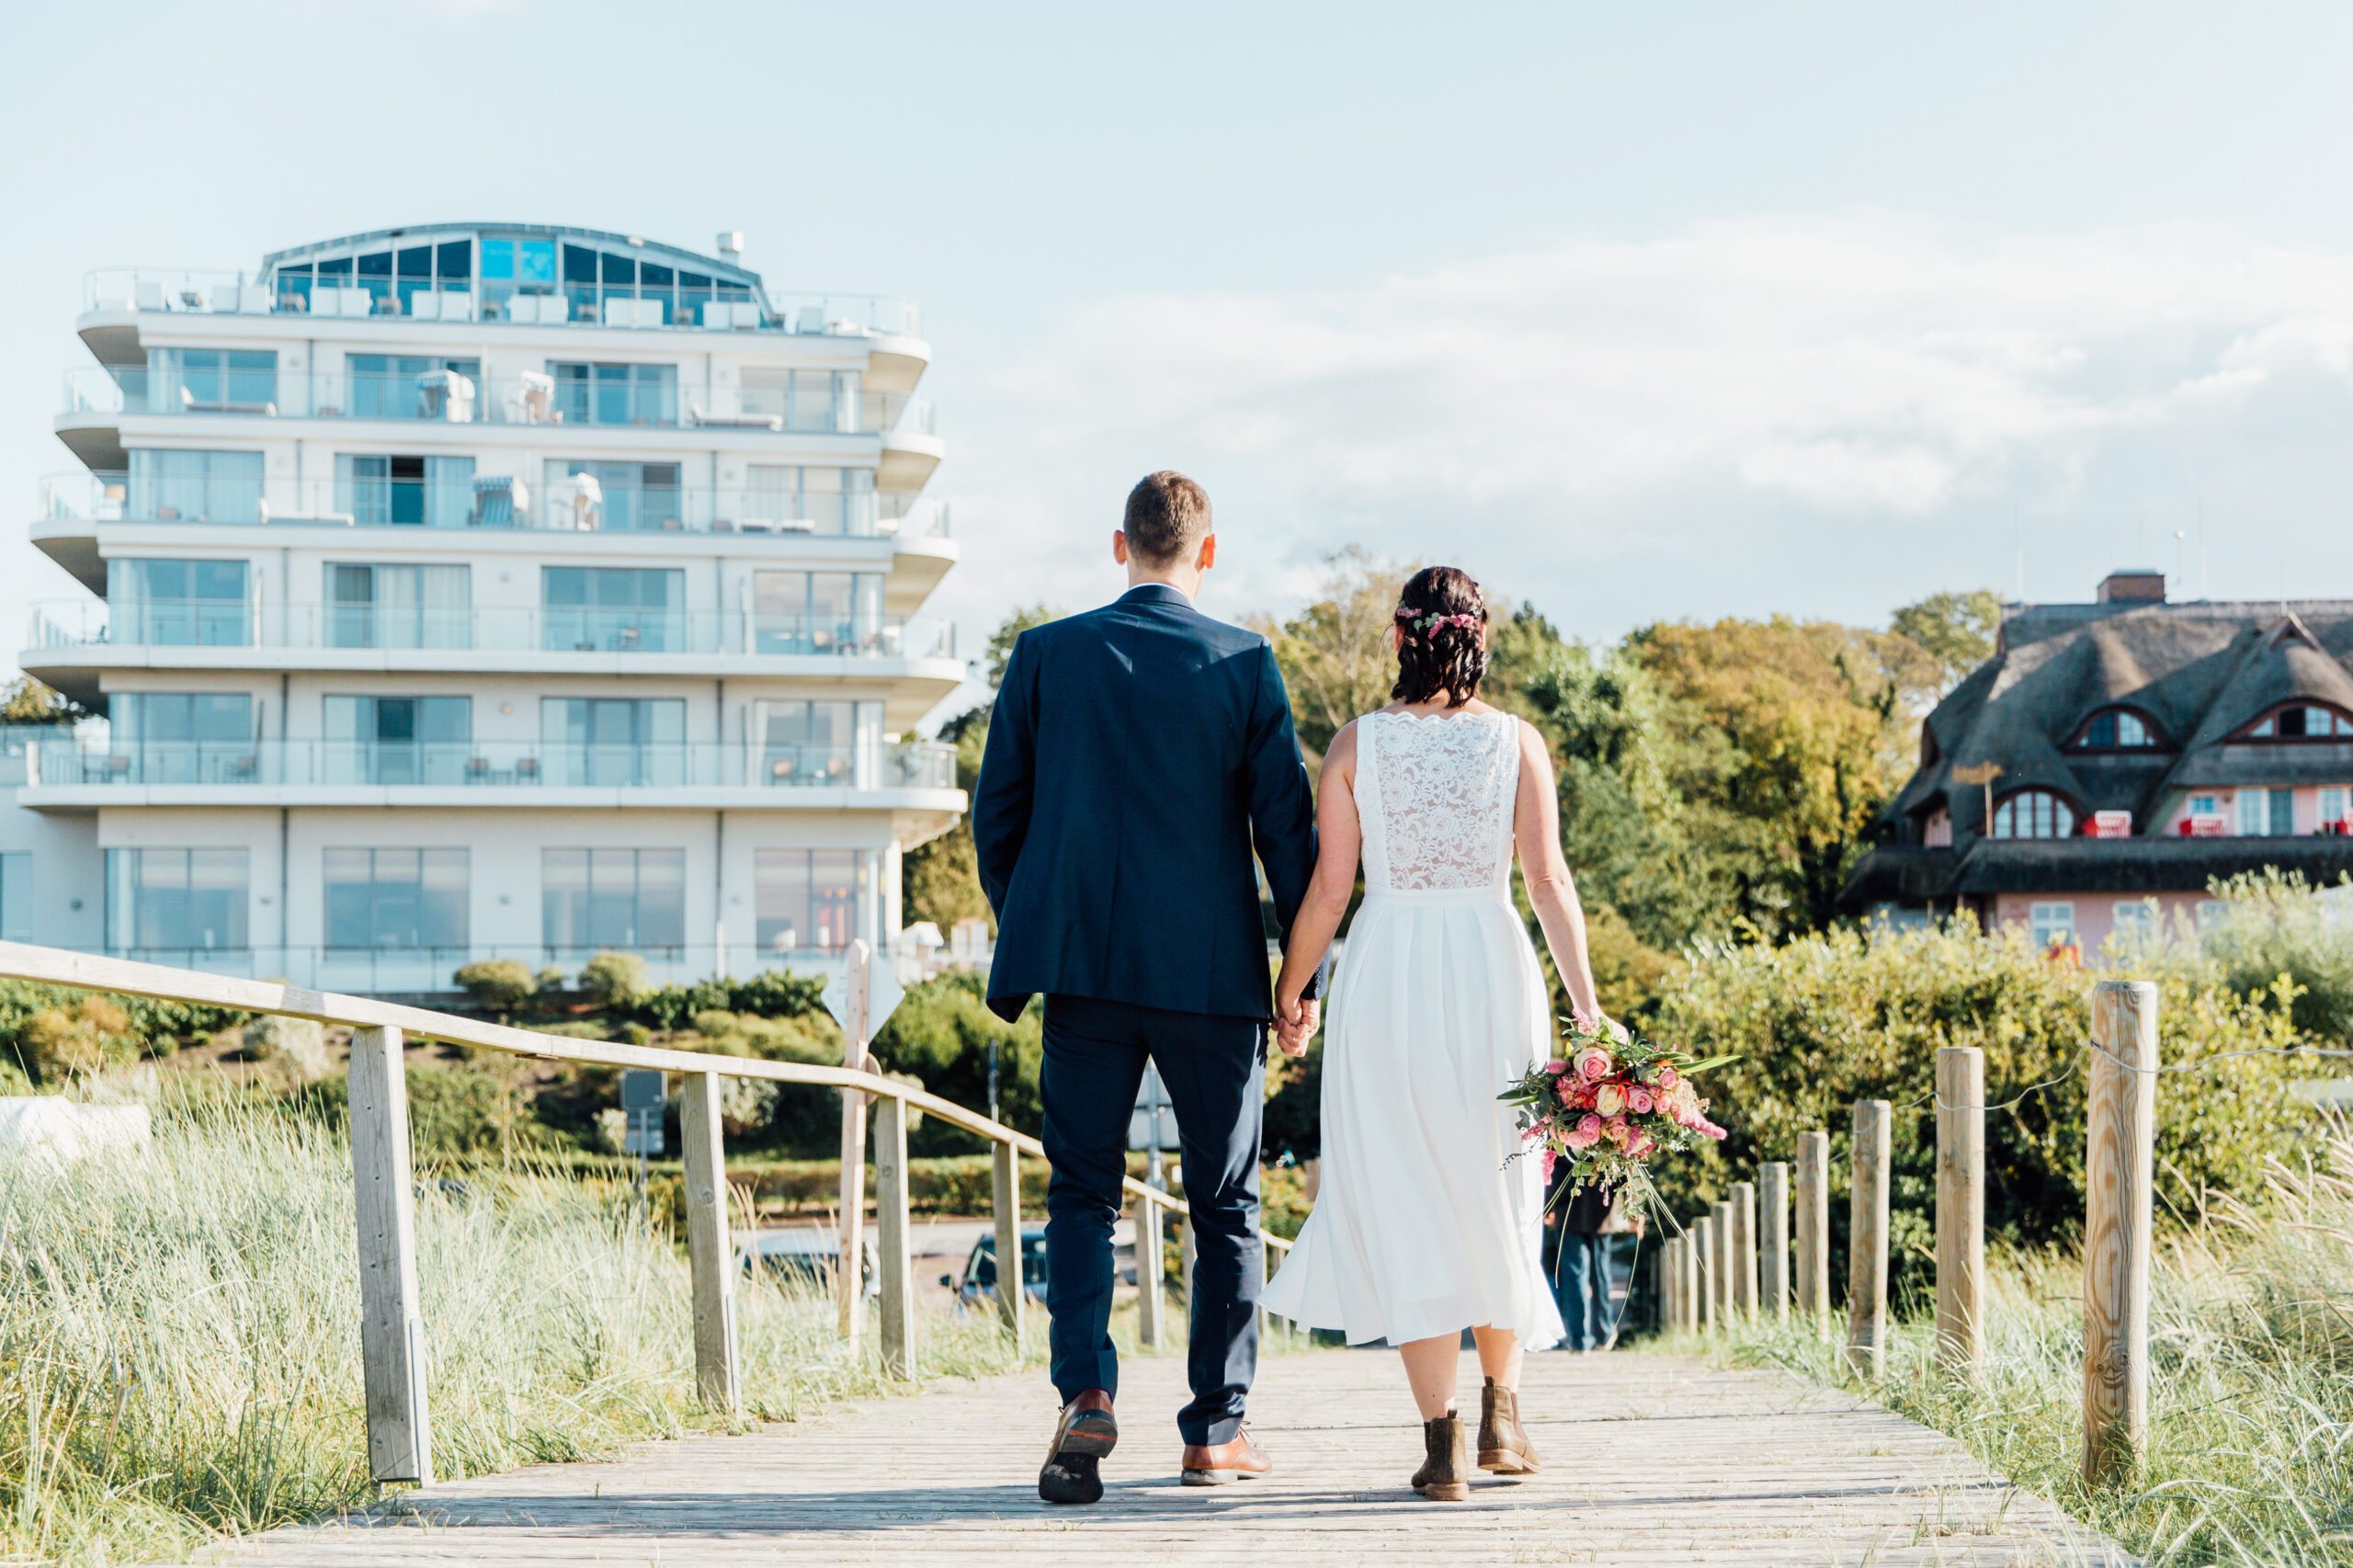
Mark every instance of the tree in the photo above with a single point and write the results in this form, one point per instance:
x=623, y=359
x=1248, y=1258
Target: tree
x=28, y=701
x=1336, y=655
x=1955, y=631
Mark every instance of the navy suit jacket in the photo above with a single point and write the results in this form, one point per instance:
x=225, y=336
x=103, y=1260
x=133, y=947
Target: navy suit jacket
x=1137, y=756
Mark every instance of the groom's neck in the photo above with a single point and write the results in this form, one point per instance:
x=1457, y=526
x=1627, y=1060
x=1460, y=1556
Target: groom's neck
x=1186, y=580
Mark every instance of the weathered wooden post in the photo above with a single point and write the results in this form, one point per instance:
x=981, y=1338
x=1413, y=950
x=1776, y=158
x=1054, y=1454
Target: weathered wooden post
x=1688, y=1289
x=1961, y=1206
x=1773, y=1192
x=851, y=1275
x=1703, y=1235
x=2118, y=1189
x=710, y=1259
x=1867, y=1239
x=891, y=1239
x=1152, y=1302
x=1670, y=1281
x=1813, y=1229
x=1725, y=1237
x=1005, y=1192
x=391, y=1324
x=1744, y=1248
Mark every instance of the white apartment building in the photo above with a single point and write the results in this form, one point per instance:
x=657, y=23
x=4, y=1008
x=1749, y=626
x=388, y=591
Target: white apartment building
x=483, y=590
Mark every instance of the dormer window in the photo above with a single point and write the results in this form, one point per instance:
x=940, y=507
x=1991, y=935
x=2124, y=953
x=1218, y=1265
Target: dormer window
x=2118, y=729
x=2034, y=813
x=2300, y=722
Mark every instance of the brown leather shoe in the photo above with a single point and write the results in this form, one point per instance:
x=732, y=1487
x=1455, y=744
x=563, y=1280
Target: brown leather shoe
x=1504, y=1448
x=1214, y=1464
x=1085, y=1433
x=1445, y=1475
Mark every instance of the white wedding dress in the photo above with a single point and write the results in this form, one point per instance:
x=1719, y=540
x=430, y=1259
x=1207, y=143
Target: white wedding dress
x=1424, y=1223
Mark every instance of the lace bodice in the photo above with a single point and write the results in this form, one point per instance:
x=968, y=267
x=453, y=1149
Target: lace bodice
x=1435, y=799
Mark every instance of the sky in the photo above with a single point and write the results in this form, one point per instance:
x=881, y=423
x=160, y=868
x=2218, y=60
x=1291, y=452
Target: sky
x=1678, y=311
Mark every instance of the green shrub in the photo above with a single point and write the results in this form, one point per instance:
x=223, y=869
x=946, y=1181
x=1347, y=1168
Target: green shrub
x=125, y=1027
x=497, y=983
x=772, y=994
x=941, y=1034
x=615, y=980
x=2274, y=926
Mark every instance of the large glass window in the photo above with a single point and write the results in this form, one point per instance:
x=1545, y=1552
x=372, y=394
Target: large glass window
x=616, y=394
x=2301, y=722
x=177, y=602
x=376, y=605
x=180, y=737
x=392, y=386
x=614, y=741
x=404, y=491
x=211, y=381
x=817, y=612
x=398, y=739
x=613, y=609
x=627, y=899
x=627, y=497
x=809, y=500
x=809, y=400
x=175, y=904
x=2034, y=813
x=396, y=898
x=2052, y=925
x=2118, y=729
x=810, y=898
x=188, y=486
x=808, y=743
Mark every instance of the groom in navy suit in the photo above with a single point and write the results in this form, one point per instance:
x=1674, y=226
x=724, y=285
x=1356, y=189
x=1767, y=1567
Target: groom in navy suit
x=1137, y=757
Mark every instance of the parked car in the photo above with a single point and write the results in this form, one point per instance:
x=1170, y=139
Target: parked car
x=978, y=1282
x=805, y=1256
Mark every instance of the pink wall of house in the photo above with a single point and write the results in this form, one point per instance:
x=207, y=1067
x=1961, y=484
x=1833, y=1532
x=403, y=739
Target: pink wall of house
x=2095, y=913
x=2308, y=809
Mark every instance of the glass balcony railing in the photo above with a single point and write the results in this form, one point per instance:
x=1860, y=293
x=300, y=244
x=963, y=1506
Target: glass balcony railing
x=211, y=291
x=68, y=761
x=800, y=508
x=564, y=628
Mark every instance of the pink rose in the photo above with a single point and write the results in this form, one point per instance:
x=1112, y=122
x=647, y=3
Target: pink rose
x=1639, y=1101
x=1580, y=1137
x=1615, y=1130
x=1592, y=1063
x=1590, y=1125
x=1609, y=1099
x=1665, y=1078
x=1639, y=1144
x=1556, y=1068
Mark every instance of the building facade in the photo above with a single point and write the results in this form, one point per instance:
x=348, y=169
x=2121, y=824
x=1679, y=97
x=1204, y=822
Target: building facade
x=484, y=590
x=2112, y=759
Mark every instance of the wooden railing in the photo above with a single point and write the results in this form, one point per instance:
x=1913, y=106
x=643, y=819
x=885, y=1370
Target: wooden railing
x=391, y=1328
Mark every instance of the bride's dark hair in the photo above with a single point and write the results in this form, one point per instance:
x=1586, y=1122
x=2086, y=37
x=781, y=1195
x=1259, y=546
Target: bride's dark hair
x=1440, y=646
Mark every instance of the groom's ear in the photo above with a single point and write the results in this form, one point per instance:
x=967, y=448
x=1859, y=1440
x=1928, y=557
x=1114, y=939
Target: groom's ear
x=1209, y=551
x=1119, y=546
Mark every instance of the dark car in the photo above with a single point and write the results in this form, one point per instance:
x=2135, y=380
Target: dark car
x=978, y=1282
x=805, y=1257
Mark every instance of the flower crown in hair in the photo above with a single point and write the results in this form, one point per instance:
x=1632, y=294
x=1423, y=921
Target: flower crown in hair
x=1425, y=624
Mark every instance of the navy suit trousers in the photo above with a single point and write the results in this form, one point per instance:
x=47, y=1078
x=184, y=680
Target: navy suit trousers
x=1214, y=1070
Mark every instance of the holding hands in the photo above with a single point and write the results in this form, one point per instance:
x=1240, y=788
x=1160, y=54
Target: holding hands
x=1295, y=1023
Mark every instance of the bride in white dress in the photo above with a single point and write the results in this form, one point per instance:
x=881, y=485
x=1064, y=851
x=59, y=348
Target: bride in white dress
x=1424, y=1223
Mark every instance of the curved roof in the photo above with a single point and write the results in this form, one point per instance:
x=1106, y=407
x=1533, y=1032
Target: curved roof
x=598, y=239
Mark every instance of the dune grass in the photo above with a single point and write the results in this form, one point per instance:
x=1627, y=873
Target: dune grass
x=2250, y=1453
x=180, y=1355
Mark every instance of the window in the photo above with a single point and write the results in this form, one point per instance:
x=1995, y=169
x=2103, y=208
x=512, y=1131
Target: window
x=2212, y=911
x=629, y=497
x=202, y=487
x=2332, y=808
x=816, y=612
x=810, y=743
x=616, y=394
x=2118, y=729
x=629, y=899
x=810, y=500
x=374, y=605
x=809, y=400
x=2034, y=813
x=177, y=602
x=810, y=900
x=212, y=380
x=2267, y=813
x=2205, y=805
x=16, y=898
x=180, y=737
x=2052, y=926
x=613, y=609
x=404, y=491
x=396, y=898
x=614, y=741
x=176, y=903
x=2135, y=921
x=2300, y=722
x=397, y=740
x=390, y=386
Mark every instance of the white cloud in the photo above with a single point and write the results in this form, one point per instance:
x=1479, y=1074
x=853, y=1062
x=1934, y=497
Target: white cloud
x=1817, y=415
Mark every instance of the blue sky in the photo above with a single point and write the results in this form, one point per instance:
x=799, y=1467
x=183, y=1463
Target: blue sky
x=1637, y=312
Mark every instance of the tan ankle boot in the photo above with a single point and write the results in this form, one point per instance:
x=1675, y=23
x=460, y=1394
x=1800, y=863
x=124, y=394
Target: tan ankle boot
x=1445, y=1475
x=1504, y=1447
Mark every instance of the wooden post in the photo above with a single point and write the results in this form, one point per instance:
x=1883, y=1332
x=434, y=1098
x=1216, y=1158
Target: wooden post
x=1004, y=1185
x=1689, y=1291
x=1773, y=1192
x=898, y=1329
x=1961, y=1206
x=1744, y=1248
x=850, y=1280
x=1670, y=1276
x=1723, y=1266
x=1866, y=1240
x=1703, y=1237
x=1151, y=1303
x=391, y=1324
x=710, y=1260
x=2119, y=1190
x=1813, y=1229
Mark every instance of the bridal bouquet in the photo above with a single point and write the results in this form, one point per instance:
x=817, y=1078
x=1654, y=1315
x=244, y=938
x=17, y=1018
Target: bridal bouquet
x=1608, y=1105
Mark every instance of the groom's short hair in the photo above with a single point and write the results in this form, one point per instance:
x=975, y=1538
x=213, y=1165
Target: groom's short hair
x=1168, y=515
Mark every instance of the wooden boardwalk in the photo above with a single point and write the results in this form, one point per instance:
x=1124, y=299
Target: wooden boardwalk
x=1652, y=1460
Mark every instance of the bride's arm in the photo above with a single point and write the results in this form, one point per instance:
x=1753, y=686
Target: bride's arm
x=1551, y=891
x=1337, y=838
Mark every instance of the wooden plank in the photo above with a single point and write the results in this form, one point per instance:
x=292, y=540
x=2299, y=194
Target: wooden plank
x=892, y=1239
x=1867, y=1239
x=1813, y=1228
x=1004, y=1196
x=1744, y=1248
x=849, y=1280
x=710, y=1256
x=1961, y=1206
x=391, y=1321
x=1151, y=1299
x=2119, y=1184
x=1773, y=1192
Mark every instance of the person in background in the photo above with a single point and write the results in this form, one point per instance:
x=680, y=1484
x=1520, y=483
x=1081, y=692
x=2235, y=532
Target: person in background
x=1580, y=1233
